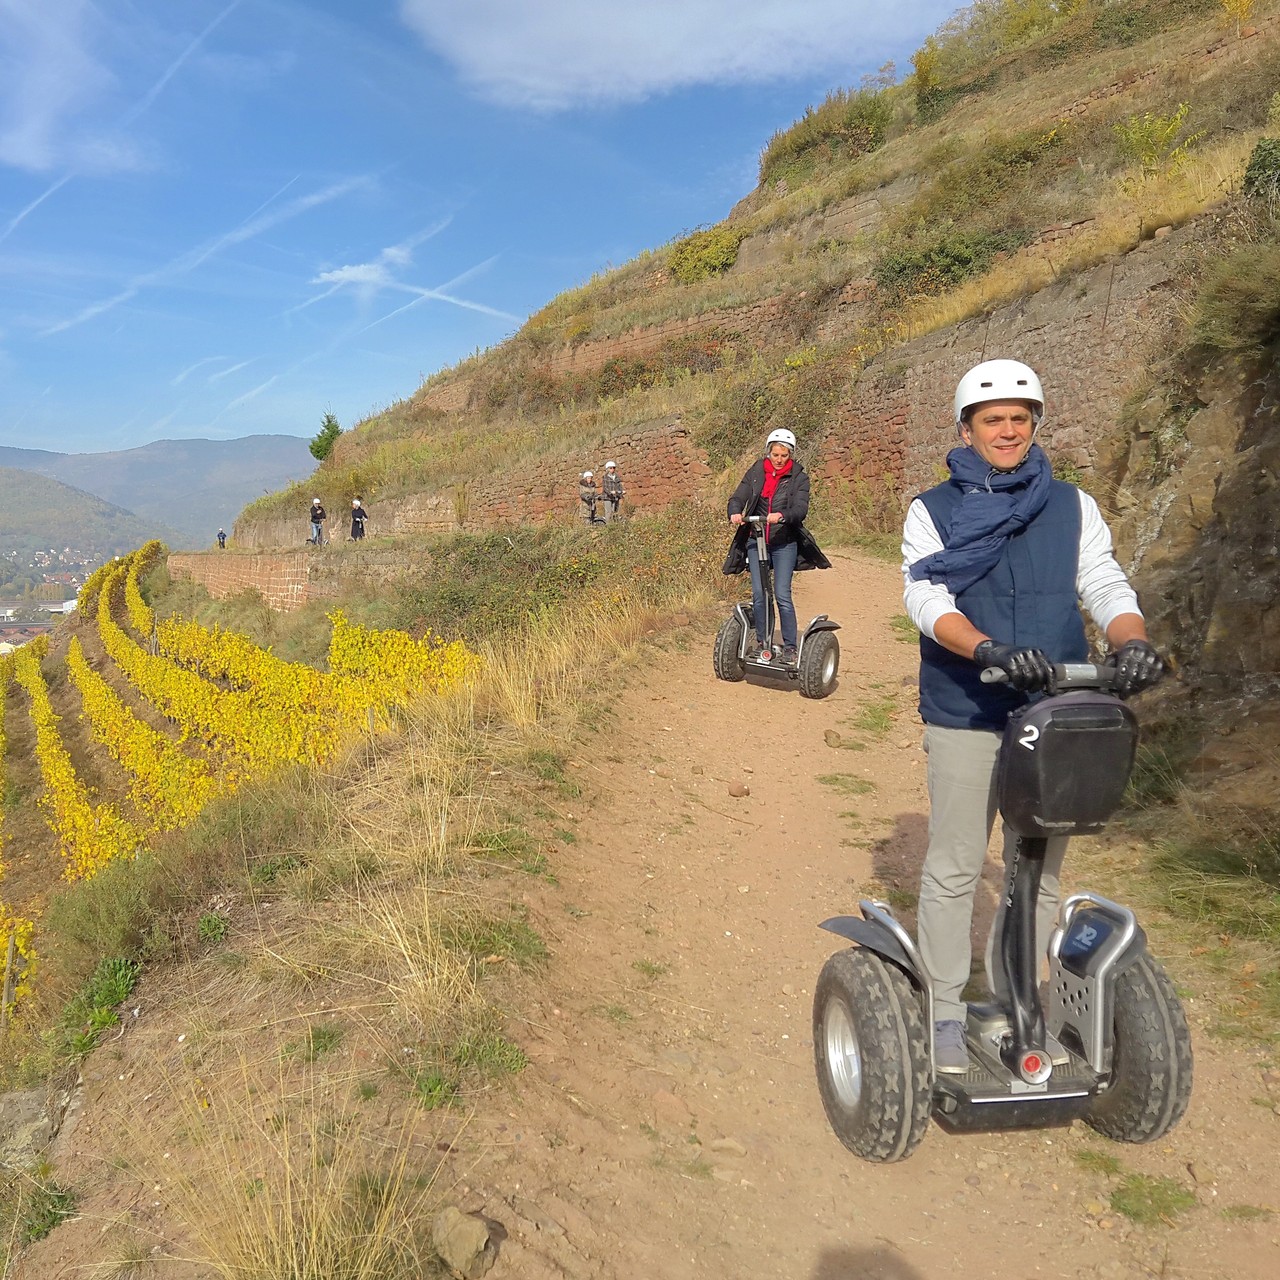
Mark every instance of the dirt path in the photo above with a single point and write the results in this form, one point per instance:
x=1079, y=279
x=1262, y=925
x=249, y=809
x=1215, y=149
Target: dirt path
x=669, y=1125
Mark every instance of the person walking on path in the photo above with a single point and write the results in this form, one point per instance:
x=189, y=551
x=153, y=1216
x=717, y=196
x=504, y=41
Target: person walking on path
x=317, y=517
x=777, y=487
x=589, y=496
x=612, y=491
x=222, y=539
x=996, y=563
x=359, y=515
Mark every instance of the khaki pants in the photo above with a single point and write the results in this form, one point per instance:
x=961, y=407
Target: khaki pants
x=962, y=810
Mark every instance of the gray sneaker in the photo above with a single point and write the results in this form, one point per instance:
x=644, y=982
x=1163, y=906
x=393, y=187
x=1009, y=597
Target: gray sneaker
x=949, y=1052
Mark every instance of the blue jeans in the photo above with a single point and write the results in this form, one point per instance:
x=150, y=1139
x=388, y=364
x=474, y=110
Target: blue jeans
x=317, y=530
x=783, y=561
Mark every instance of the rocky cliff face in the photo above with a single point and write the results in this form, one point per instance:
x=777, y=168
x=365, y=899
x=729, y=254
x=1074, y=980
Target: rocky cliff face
x=1200, y=528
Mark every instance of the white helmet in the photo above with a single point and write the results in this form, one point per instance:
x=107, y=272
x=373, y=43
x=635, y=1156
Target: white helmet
x=586, y=475
x=999, y=380
x=607, y=465
x=781, y=436
x=315, y=502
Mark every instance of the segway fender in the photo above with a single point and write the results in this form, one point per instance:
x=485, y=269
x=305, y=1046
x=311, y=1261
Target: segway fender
x=821, y=623
x=875, y=937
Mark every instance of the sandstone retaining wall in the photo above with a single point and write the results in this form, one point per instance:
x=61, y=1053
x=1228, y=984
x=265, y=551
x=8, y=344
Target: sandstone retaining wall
x=1088, y=337
x=658, y=462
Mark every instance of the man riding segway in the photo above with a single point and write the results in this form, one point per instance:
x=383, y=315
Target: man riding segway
x=997, y=562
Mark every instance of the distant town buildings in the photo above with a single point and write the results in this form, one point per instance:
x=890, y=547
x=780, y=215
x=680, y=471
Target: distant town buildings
x=34, y=595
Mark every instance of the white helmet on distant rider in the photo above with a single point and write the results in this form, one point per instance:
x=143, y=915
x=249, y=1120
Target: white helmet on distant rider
x=610, y=466
x=781, y=436
x=586, y=475
x=999, y=380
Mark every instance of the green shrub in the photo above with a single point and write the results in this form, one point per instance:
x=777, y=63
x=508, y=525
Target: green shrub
x=933, y=267
x=847, y=125
x=1151, y=140
x=92, y=1010
x=33, y=1204
x=1262, y=173
x=212, y=927
x=1238, y=308
x=704, y=254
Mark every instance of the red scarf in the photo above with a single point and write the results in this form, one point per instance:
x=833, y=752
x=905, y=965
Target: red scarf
x=772, y=475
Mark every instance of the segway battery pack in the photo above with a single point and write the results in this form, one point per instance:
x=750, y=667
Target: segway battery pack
x=1064, y=764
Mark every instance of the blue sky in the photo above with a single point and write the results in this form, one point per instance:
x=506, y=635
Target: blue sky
x=221, y=218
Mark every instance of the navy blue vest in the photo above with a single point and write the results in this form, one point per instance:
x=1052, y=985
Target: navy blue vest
x=1027, y=598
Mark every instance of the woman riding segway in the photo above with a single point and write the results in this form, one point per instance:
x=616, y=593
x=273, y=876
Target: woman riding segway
x=775, y=487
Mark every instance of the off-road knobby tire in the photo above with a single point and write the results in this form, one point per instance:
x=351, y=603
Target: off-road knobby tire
x=1151, y=1073
x=819, y=665
x=725, y=656
x=891, y=1112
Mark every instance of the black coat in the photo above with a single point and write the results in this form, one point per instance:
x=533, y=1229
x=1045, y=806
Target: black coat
x=791, y=500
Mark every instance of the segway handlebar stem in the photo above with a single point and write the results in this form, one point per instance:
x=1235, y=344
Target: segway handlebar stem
x=1068, y=675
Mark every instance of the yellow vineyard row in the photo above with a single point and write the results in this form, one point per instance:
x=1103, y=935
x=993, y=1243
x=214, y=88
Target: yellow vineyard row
x=89, y=835
x=14, y=929
x=166, y=785
x=245, y=711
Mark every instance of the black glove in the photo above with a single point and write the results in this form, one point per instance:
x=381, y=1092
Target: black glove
x=1028, y=669
x=1138, y=666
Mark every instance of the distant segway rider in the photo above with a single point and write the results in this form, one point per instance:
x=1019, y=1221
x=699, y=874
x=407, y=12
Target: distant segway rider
x=777, y=487
x=359, y=517
x=589, y=496
x=318, y=517
x=997, y=561
x=612, y=491
x=222, y=539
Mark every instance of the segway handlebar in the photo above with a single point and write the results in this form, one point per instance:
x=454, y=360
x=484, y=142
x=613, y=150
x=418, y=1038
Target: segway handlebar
x=1067, y=675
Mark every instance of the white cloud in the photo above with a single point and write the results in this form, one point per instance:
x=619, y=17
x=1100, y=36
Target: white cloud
x=366, y=273
x=55, y=85
x=552, y=54
x=47, y=76
x=367, y=278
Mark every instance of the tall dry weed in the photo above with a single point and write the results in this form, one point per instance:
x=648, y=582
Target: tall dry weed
x=285, y=1179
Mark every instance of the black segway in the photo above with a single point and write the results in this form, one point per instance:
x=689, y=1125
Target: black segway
x=817, y=660
x=1113, y=1048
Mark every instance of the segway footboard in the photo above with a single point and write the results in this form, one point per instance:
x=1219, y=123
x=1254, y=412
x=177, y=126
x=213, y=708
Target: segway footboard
x=979, y=1102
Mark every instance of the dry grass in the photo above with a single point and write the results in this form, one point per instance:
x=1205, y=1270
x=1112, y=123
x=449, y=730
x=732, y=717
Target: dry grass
x=1136, y=209
x=374, y=971
x=283, y=1178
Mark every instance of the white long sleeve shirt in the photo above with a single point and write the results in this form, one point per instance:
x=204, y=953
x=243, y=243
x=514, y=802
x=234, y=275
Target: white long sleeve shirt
x=1100, y=582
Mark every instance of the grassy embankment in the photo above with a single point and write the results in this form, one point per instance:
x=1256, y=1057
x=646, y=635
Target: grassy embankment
x=325, y=938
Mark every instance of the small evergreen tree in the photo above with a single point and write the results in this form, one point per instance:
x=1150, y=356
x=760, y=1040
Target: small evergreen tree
x=322, y=445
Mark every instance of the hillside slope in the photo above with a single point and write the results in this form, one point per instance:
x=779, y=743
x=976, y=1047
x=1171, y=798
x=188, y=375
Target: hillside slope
x=38, y=513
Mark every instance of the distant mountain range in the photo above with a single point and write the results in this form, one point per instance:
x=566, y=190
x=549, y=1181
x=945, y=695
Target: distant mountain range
x=178, y=490
x=39, y=514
